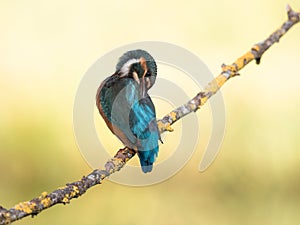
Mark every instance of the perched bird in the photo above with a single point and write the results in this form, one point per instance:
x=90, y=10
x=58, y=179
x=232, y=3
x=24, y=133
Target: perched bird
x=123, y=102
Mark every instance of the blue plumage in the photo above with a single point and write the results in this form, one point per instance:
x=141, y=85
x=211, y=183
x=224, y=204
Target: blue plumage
x=126, y=107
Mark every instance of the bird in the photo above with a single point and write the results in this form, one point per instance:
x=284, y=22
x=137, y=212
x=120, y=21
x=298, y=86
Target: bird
x=123, y=102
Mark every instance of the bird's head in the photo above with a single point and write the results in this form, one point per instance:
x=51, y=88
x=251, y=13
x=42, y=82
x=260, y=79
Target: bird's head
x=140, y=66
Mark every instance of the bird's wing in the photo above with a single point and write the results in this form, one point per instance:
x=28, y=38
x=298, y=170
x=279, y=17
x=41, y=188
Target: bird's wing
x=114, y=103
x=142, y=118
x=143, y=125
x=136, y=117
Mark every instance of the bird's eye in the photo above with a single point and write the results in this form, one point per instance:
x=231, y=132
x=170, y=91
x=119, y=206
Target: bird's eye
x=148, y=74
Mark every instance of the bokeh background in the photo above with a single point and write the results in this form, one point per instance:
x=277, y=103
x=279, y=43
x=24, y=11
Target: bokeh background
x=46, y=47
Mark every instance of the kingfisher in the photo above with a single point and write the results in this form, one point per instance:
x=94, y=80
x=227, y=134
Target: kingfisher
x=123, y=102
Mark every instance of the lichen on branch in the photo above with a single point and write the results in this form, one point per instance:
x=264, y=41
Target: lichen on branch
x=228, y=71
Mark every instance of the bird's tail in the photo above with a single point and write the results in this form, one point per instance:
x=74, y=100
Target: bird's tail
x=147, y=158
x=146, y=166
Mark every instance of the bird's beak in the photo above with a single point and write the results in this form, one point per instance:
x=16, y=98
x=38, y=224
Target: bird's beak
x=143, y=84
x=143, y=87
x=136, y=77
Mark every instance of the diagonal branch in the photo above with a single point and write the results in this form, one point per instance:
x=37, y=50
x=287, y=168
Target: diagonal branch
x=229, y=71
x=74, y=190
x=65, y=194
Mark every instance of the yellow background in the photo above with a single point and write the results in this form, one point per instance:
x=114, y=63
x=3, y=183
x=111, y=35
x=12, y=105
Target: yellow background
x=46, y=47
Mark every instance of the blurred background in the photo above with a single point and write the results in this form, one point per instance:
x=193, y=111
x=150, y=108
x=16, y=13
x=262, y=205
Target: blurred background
x=46, y=47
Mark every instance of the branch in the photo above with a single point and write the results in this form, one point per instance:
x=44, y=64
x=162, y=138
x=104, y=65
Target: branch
x=74, y=190
x=228, y=71
x=65, y=194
